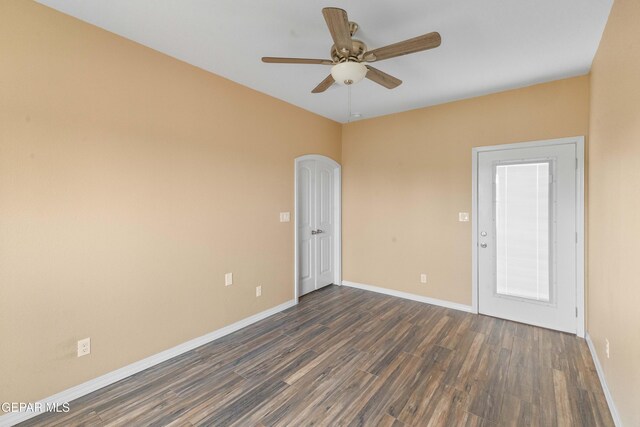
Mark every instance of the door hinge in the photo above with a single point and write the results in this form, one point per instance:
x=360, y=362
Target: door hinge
x=576, y=311
x=576, y=237
x=576, y=163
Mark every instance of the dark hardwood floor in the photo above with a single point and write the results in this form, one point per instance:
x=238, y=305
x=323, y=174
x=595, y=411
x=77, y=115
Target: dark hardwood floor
x=350, y=357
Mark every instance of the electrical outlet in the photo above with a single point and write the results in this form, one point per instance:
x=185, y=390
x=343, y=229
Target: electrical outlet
x=463, y=216
x=258, y=291
x=285, y=216
x=228, y=279
x=606, y=348
x=423, y=278
x=84, y=347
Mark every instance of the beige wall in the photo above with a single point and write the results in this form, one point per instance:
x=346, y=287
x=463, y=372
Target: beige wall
x=406, y=177
x=614, y=207
x=130, y=183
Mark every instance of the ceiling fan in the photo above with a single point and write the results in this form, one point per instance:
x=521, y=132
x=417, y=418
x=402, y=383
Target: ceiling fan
x=349, y=57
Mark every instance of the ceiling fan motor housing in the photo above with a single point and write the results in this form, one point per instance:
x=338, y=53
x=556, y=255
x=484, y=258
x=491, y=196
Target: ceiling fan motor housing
x=355, y=54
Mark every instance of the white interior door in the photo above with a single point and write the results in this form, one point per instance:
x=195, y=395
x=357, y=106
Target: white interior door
x=527, y=235
x=316, y=224
x=324, y=223
x=305, y=218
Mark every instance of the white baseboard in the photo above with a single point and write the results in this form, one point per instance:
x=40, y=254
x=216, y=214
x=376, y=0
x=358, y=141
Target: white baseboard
x=603, y=382
x=413, y=297
x=73, y=393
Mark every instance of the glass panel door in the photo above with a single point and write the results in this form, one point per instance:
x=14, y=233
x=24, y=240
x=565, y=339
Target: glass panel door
x=526, y=234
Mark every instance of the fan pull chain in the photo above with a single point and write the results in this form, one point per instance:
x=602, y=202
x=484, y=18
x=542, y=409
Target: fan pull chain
x=349, y=103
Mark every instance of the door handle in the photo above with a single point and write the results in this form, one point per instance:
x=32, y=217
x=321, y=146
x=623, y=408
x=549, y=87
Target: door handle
x=316, y=232
x=483, y=245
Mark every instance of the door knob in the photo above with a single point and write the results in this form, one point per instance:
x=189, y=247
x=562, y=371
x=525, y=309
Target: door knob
x=483, y=245
x=314, y=232
x=319, y=231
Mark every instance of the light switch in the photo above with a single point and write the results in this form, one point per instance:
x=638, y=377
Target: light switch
x=463, y=216
x=228, y=279
x=285, y=216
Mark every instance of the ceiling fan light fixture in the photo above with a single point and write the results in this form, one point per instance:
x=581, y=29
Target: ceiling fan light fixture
x=348, y=54
x=348, y=73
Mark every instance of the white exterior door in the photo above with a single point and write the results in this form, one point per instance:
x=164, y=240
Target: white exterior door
x=527, y=235
x=316, y=224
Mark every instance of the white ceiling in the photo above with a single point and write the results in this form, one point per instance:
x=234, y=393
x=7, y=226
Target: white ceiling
x=487, y=46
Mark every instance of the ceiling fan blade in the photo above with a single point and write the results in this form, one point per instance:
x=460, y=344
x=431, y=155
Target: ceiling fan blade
x=324, y=85
x=382, y=78
x=416, y=44
x=273, y=60
x=338, y=24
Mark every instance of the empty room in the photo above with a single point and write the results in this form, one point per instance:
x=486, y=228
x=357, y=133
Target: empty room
x=347, y=213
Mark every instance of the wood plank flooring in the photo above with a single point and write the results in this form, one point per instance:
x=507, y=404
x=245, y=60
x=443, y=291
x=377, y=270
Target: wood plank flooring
x=349, y=357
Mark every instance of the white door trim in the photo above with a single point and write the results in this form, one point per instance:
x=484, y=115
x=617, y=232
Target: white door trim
x=578, y=141
x=337, y=182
